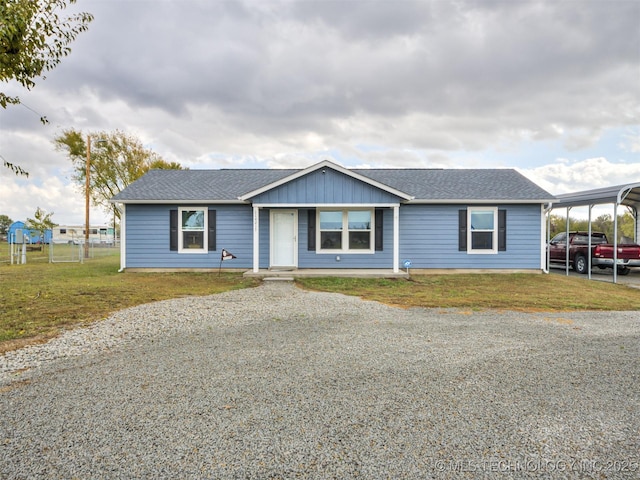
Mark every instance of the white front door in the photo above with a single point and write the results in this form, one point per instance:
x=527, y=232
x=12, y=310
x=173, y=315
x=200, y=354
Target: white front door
x=284, y=238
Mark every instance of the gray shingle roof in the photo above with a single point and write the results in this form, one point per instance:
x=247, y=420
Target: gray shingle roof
x=458, y=184
x=422, y=184
x=197, y=185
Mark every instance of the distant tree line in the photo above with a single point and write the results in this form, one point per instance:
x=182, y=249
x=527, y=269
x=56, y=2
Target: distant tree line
x=602, y=223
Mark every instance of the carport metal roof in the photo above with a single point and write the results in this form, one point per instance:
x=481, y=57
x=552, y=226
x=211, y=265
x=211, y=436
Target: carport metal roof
x=628, y=195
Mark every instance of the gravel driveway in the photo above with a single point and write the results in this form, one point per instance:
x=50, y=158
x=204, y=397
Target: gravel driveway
x=276, y=382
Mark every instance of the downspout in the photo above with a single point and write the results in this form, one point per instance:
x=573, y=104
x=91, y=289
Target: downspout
x=123, y=237
x=546, y=225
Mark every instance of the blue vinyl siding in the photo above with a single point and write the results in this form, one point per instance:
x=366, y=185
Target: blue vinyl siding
x=147, y=238
x=429, y=238
x=322, y=188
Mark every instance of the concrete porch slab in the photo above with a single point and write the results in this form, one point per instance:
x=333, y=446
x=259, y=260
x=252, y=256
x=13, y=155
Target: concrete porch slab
x=328, y=272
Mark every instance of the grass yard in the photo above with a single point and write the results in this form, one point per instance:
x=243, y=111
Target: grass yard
x=39, y=298
x=520, y=292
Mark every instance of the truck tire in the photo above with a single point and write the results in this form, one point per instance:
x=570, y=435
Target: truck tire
x=623, y=270
x=580, y=264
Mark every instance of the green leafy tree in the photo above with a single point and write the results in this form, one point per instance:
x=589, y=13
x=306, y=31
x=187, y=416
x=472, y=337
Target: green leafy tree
x=5, y=223
x=116, y=160
x=626, y=225
x=34, y=38
x=41, y=222
x=160, y=164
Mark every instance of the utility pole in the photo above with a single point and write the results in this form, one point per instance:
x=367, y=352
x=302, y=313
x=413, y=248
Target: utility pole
x=86, y=200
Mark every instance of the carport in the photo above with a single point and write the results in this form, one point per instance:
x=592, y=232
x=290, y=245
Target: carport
x=620, y=195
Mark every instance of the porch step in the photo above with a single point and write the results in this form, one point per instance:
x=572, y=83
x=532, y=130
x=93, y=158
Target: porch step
x=277, y=279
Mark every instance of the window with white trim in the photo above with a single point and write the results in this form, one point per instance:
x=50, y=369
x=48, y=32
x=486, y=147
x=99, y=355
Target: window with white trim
x=345, y=231
x=482, y=235
x=192, y=235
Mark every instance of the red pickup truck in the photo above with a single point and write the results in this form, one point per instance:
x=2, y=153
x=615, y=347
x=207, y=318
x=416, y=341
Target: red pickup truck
x=628, y=254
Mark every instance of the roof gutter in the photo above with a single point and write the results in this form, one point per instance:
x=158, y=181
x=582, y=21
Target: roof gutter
x=458, y=201
x=178, y=201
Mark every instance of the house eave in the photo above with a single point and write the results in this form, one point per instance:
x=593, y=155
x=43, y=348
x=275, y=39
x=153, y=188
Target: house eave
x=328, y=205
x=176, y=201
x=415, y=201
x=458, y=201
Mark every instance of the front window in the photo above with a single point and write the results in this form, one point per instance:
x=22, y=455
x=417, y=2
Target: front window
x=345, y=230
x=331, y=230
x=192, y=230
x=359, y=230
x=482, y=233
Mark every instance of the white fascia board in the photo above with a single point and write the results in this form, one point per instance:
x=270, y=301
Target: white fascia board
x=177, y=201
x=324, y=205
x=458, y=201
x=318, y=166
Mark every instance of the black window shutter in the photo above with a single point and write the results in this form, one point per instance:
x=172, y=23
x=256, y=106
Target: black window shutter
x=502, y=230
x=311, y=230
x=212, y=230
x=378, y=233
x=173, y=230
x=462, y=230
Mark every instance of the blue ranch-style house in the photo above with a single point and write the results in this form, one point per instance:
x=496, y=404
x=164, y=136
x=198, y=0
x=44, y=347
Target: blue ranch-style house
x=330, y=217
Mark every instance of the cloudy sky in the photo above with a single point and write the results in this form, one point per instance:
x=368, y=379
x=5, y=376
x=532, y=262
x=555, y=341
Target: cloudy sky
x=551, y=88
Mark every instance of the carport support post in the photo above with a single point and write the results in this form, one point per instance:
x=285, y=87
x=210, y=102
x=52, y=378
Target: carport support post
x=566, y=245
x=589, y=244
x=615, y=242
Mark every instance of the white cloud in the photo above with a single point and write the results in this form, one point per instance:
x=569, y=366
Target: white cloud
x=19, y=199
x=382, y=84
x=567, y=177
x=631, y=141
